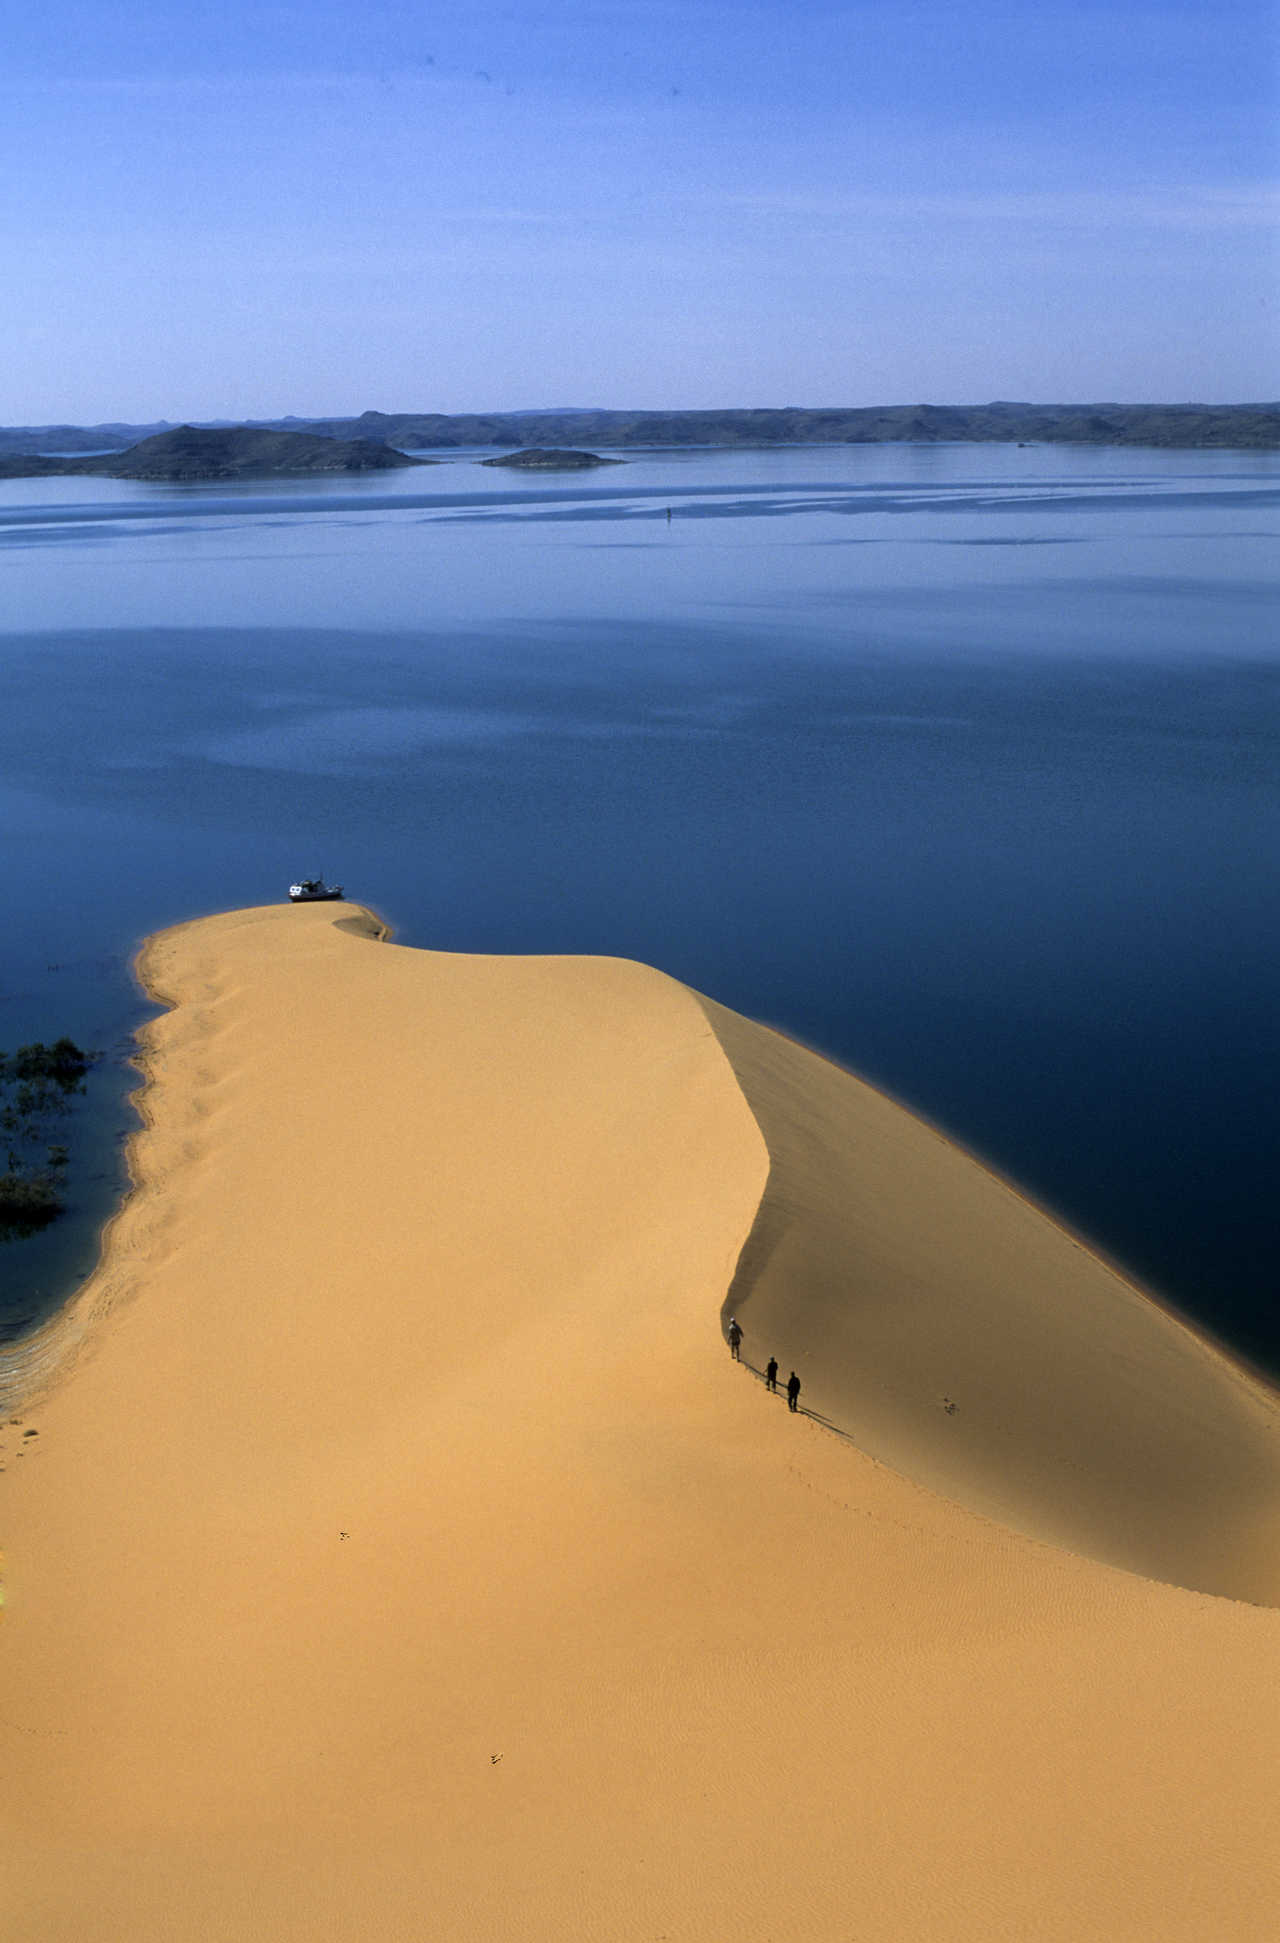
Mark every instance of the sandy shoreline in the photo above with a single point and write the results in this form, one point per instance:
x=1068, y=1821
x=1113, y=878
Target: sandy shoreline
x=400, y=1552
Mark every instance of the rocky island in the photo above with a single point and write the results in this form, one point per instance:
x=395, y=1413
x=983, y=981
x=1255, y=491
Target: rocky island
x=551, y=458
x=199, y=452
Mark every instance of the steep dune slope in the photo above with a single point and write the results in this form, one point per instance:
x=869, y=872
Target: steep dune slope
x=900, y=1278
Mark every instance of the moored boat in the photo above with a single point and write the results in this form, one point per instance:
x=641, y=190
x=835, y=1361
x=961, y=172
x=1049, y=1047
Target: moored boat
x=313, y=890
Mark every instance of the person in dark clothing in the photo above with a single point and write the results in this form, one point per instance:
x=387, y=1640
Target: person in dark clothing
x=793, y=1390
x=771, y=1374
x=735, y=1338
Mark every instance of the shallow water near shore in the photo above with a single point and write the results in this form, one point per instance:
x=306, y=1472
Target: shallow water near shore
x=959, y=763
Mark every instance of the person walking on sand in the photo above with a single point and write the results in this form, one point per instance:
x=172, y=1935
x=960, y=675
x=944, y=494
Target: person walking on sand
x=771, y=1375
x=793, y=1390
x=735, y=1338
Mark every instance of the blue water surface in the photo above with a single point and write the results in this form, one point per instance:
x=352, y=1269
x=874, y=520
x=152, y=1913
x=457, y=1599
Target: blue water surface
x=957, y=762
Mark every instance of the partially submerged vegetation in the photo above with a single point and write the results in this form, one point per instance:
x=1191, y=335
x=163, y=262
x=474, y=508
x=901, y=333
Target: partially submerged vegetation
x=37, y=1086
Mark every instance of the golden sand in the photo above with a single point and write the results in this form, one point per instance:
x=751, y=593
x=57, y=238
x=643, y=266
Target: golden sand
x=401, y=1555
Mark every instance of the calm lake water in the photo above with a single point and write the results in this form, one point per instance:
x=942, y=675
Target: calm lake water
x=958, y=762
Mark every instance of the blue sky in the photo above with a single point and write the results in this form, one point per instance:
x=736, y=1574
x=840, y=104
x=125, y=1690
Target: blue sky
x=251, y=209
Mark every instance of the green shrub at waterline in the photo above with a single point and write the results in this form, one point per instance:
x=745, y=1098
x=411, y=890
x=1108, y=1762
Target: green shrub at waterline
x=37, y=1085
x=28, y=1202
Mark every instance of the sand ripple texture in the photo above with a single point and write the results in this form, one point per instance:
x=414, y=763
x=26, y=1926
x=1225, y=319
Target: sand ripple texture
x=400, y=1553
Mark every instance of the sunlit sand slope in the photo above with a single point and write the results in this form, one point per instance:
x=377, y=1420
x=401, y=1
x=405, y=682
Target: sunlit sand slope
x=953, y=1330
x=400, y=1554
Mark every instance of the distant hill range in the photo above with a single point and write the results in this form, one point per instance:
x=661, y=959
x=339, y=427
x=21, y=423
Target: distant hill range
x=1249, y=426
x=234, y=452
x=378, y=439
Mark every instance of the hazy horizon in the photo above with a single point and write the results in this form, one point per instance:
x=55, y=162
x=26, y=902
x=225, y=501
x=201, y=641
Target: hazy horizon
x=119, y=419
x=298, y=209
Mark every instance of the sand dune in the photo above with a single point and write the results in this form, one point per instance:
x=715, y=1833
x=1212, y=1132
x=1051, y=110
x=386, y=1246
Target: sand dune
x=400, y=1553
x=961, y=1336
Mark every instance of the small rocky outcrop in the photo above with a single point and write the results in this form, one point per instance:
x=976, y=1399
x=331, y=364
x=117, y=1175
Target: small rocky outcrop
x=551, y=458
